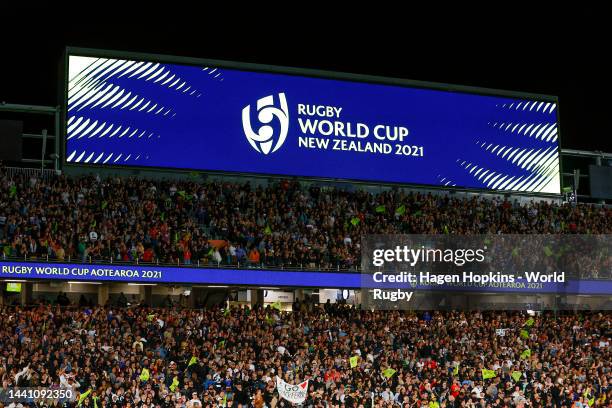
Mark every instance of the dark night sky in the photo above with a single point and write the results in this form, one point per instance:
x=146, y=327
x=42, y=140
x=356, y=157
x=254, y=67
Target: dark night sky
x=559, y=51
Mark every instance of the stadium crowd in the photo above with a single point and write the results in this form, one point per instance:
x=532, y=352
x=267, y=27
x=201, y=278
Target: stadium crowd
x=283, y=224
x=173, y=357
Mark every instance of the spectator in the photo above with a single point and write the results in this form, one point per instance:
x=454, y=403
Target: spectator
x=237, y=356
x=216, y=257
x=254, y=256
x=92, y=218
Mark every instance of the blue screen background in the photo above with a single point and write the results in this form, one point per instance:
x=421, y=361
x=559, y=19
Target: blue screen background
x=190, y=117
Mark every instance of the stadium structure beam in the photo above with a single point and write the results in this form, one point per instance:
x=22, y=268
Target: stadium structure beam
x=39, y=110
x=586, y=153
x=12, y=107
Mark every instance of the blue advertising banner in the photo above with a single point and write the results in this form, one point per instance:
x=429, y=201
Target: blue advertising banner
x=152, y=114
x=262, y=277
x=166, y=274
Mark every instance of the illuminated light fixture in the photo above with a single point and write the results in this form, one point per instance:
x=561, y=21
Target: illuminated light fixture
x=84, y=283
x=141, y=284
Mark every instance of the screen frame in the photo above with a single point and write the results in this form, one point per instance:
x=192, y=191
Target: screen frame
x=305, y=72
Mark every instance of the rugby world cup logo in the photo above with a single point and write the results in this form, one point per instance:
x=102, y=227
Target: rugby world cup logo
x=266, y=140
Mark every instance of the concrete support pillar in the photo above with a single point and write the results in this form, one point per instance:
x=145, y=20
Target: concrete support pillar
x=257, y=297
x=26, y=293
x=197, y=297
x=146, y=294
x=191, y=299
x=103, y=294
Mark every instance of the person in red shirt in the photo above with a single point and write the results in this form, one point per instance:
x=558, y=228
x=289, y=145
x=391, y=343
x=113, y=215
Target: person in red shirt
x=332, y=375
x=432, y=364
x=254, y=256
x=154, y=232
x=147, y=256
x=187, y=256
x=455, y=388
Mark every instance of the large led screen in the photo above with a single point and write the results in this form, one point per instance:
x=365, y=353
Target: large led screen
x=123, y=112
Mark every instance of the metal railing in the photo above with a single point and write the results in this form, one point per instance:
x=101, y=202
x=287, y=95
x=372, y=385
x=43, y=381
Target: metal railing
x=44, y=174
x=193, y=264
x=31, y=111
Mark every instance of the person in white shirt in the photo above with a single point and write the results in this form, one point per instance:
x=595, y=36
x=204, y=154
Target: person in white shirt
x=216, y=256
x=25, y=373
x=232, y=253
x=67, y=381
x=194, y=402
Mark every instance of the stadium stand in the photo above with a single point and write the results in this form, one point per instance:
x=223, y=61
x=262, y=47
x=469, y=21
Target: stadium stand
x=172, y=357
x=118, y=356
x=281, y=225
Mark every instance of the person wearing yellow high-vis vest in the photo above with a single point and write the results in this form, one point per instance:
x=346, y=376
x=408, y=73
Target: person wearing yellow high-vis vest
x=83, y=397
x=145, y=375
x=175, y=384
x=588, y=396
